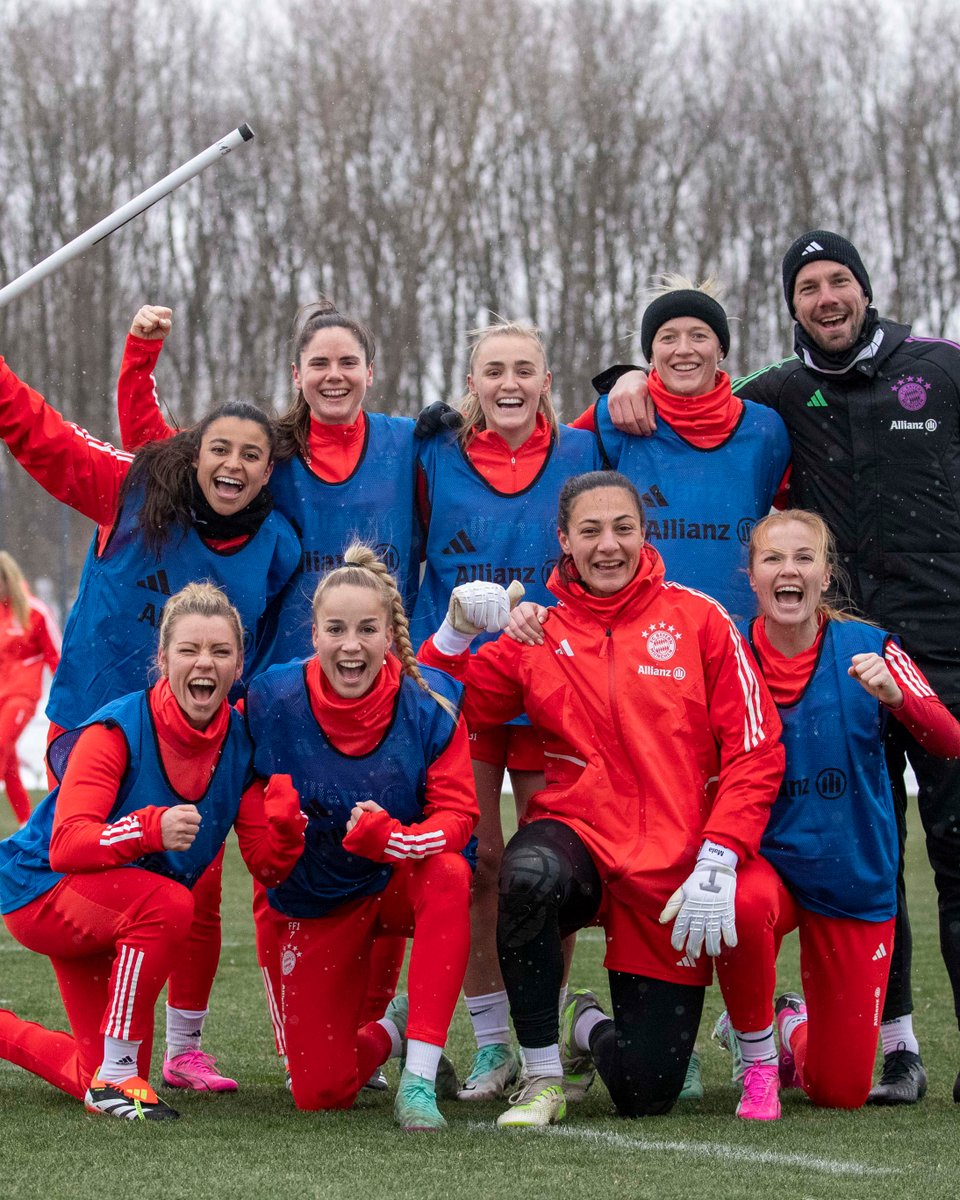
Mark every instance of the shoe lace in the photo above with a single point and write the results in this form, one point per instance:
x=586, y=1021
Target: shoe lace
x=488, y=1058
x=195, y=1059
x=897, y=1067
x=529, y=1090
x=418, y=1092
x=758, y=1082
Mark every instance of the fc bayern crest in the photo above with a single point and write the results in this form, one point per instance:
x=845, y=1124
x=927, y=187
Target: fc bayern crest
x=661, y=645
x=911, y=392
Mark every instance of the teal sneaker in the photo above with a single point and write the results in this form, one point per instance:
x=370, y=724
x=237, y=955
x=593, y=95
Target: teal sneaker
x=415, y=1108
x=495, y=1070
x=578, y=1069
x=448, y=1086
x=693, y=1083
x=723, y=1033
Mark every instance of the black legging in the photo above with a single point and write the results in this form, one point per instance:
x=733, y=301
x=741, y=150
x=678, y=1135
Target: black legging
x=549, y=888
x=938, y=802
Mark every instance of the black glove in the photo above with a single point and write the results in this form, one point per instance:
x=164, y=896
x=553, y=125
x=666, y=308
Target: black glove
x=436, y=418
x=608, y=377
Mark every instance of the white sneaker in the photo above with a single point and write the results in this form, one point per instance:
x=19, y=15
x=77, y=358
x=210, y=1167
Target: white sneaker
x=538, y=1103
x=495, y=1070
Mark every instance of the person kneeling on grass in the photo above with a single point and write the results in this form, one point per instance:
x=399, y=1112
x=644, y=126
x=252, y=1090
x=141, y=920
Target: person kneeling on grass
x=100, y=878
x=379, y=754
x=662, y=762
x=832, y=835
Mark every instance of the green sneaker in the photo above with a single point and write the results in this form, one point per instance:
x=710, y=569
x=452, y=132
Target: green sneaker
x=495, y=1069
x=415, y=1108
x=448, y=1086
x=693, y=1084
x=578, y=1069
x=723, y=1033
x=539, y=1102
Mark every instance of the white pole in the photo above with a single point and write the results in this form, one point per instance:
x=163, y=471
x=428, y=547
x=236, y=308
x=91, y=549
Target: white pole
x=133, y=208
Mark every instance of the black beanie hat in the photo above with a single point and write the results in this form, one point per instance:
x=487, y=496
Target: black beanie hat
x=685, y=302
x=822, y=244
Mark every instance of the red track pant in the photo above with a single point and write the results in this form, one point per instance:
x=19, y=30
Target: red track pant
x=844, y=965
x=325, y=967
x=196, y=967
x=112, y=937
x=15, y=712
x=386, y=962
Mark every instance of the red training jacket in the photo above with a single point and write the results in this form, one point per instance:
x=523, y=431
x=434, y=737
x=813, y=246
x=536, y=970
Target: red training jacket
x=658, y=729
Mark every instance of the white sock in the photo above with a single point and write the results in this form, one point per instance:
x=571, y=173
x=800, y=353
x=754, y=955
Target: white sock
x=396, y=1045
x=759, y=1046
x=423, y=1058
x=542, y=1062
x=184, y=1030
x=119, y=1060
x=588, y=1020
x=898, y=1035
x=490, y=1016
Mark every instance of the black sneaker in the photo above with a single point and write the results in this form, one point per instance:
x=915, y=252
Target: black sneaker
x=956, y=1090
x=132, y=1100
x=904, y=1079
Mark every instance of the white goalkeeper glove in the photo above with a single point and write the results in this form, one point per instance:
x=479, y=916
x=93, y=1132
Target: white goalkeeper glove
x=477, y=607
x=704, y=906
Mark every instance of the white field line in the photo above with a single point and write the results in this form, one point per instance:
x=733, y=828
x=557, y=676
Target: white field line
x=706, y=1150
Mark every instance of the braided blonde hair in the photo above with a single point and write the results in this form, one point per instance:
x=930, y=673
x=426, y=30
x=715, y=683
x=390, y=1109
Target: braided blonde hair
x=362, y=568
x=469, y=405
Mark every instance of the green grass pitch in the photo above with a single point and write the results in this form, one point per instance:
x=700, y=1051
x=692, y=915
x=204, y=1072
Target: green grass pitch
x=255, y=1144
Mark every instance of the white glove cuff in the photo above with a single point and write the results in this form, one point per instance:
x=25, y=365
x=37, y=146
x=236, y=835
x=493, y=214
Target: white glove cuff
x=715, y=853
x=451, y=641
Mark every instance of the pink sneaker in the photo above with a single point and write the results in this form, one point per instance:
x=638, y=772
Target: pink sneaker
x=761, y=1093
x=195, y=1069
x=789, y=1005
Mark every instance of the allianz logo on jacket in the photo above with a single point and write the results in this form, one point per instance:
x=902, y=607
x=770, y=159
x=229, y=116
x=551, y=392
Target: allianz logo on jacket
x=929, y=426
x=662, y=644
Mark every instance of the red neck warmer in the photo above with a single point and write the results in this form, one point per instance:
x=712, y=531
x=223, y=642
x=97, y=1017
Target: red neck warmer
x=354, y=725
x=705, y=421
x=609, y=609
x=786, y=677
x=189, y=755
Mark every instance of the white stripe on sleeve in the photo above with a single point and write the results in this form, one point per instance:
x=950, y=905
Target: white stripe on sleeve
x=415, y=845
x=906, y=672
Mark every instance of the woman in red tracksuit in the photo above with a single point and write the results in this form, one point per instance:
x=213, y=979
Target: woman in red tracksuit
x=100, y=878
x=662, y=761
x=195, y=507
x=29, y=641
x=378, y=753
x=832, y=835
